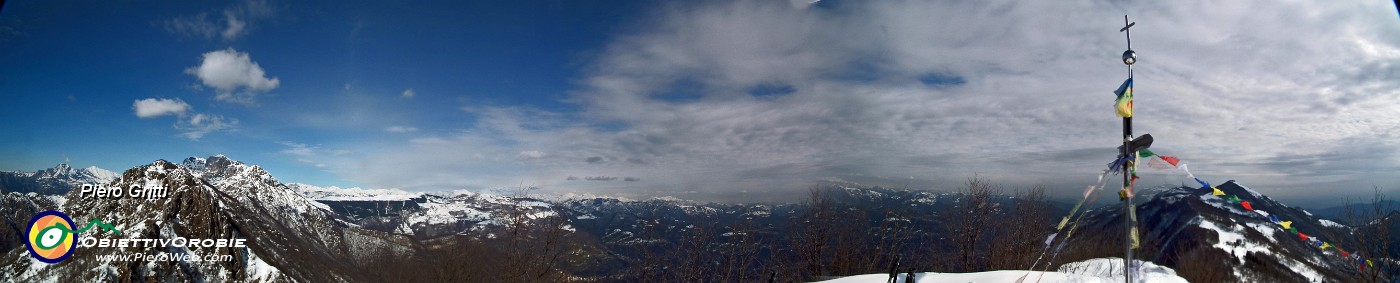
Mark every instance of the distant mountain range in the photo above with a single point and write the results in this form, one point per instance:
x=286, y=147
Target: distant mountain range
x=53, y=181
x=305, y=233
x=1360, y=209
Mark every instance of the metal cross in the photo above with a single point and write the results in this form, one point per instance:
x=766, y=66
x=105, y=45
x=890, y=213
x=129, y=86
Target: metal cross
x=1127, y=25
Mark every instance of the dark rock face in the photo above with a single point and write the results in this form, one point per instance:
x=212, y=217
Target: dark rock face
x=15, y=211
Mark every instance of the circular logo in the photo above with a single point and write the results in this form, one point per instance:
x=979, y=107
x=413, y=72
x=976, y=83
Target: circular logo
x=50, y=239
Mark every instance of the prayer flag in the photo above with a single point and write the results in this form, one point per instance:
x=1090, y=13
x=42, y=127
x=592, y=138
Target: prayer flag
x=1144, y=153
x=1124, y=104
x=1170, y=159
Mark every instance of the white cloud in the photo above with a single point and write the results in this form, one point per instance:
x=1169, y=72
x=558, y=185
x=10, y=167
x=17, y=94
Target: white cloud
x=310, y=154
x=195, y=127
x=234, y=75
x=314, y=155
x=235, y=23
x=531, y=154
x=198, y=26
x=408, y=93
x=235, y=27
x=400, y=129
x=299, y=149
x=156, y=107
x=191, y=125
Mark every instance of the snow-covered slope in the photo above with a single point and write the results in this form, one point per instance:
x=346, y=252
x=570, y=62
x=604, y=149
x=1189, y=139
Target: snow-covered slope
x=1210, y=238
x=1105, y=270
x=99, y=175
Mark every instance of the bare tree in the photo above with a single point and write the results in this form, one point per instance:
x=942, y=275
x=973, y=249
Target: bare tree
x=892, y=238
x=653, y=261
x=534, y=242
x=1372, y=223
x=811, y=232
x=693, y=254
x=1020, y=235
x=832, y=238
x=850, y=243
x=973, y=216
x=740, y=251
x=450, y=259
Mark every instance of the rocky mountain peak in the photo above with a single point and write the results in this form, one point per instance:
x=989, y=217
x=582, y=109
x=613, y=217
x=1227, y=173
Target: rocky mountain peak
x=194, y=163
x=222, y=170
x=59, y=171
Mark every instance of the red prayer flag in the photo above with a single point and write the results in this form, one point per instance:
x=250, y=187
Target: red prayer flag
x=1344, y=253
x=1302, y=236
x=1246, y=205
x=1169, y=159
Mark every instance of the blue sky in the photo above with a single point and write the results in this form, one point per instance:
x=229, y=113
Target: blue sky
x=75, y=70
x=720, y=100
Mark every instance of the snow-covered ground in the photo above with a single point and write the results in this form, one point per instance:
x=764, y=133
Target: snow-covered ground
x=1330, y=223
x=1094, y=270
x=101, y=175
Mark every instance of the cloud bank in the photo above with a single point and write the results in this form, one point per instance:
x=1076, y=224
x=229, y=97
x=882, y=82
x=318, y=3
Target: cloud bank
x=743, y=100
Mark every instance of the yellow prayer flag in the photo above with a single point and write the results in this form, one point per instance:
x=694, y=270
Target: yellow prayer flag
x=1285, y=224
x=1134, y=237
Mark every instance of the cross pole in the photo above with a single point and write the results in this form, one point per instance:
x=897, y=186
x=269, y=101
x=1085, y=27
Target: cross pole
x=1128, y=222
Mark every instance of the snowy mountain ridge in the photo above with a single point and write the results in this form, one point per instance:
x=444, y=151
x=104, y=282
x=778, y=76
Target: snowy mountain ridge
x=54, y=181
x=91, y=174
x=333, y=193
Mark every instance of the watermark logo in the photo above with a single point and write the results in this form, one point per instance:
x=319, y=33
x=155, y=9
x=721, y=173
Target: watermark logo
x=51, y=235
